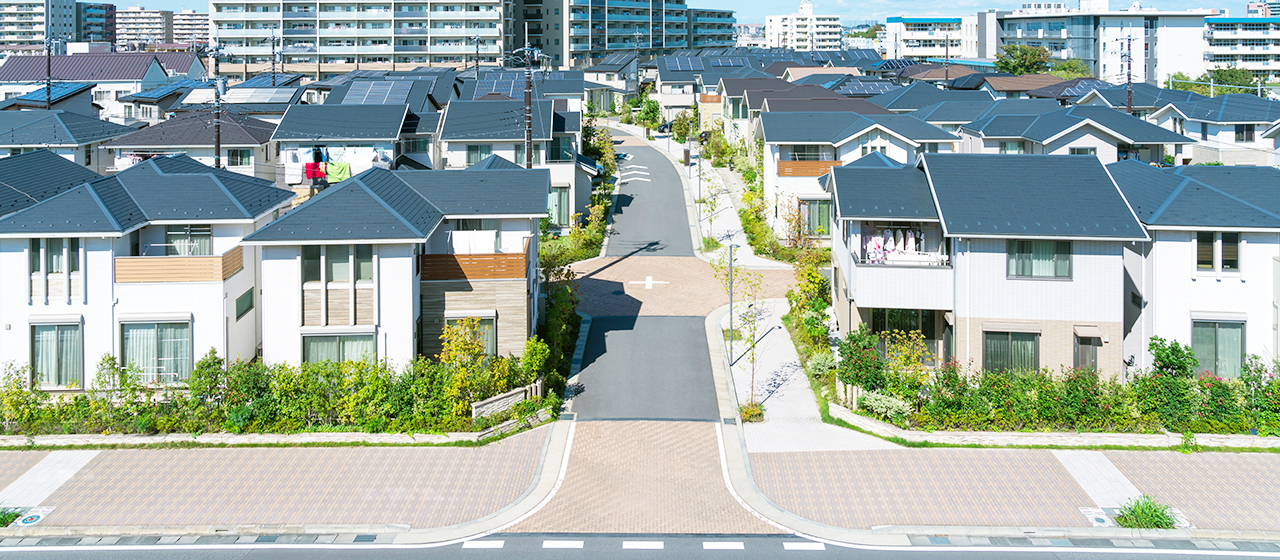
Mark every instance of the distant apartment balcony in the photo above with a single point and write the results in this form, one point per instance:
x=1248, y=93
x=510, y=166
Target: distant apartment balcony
x=216, y=268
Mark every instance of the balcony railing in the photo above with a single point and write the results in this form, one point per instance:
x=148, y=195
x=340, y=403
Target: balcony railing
x=805, y=168
x=482, y=266
x=178, y=269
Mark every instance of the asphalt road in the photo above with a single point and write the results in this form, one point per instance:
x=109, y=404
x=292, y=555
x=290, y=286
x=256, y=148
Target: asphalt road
x=651, y=217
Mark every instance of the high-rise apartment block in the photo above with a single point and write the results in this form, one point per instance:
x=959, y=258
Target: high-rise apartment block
x=95, y=22
x=1251, y=43
x=575, y=32
x=135, y=25
x=23, y=22
x=803, y=31
x=190, y=27
x=929, y=37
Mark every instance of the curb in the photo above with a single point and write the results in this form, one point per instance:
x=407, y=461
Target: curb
x=575, y=365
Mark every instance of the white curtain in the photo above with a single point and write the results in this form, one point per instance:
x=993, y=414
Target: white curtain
x=140, y=349
x=339, y=265
x=45, y=348
x=1230, y=348
x=1042, y=260
x=356, y=348
x=174, y=350
x=320, y=349
x=53, y=256
x=69, y=369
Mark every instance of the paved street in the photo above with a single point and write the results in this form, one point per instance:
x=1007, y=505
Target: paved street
x=651, y=204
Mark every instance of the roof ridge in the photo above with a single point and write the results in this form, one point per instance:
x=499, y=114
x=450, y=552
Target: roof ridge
x=1178, y=172
x=428, y=200
x=218, y=181
x=93, y=192
x=359, y=181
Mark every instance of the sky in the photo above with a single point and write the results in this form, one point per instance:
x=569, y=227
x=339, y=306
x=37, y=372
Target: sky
x=753, y=11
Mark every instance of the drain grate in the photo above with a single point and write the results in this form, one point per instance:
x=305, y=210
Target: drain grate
x=266, y=539
x=365, y=538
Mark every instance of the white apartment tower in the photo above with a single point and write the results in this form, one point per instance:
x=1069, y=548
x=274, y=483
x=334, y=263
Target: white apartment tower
x=923, y=38
x=22, y=22
x=323, y=39
x=190, y=27
x=143, y=26
x=803, y=31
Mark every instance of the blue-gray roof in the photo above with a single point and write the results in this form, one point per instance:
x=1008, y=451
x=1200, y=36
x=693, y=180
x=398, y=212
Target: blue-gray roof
x=1020, y=196
x=513, y=192
x=1070, y=89
x=32, y=177
x=1042, y=128
x=157, y=93
x=921, y=94
x=56, y=93
x=881, y=193
x=495, y=120
x=1201, y=196
x=1232, y=108
x=494, y=161
x=806, y=127
x=968, y=111
x=1143, y=96
x=174, y=188
x=341, y=122
x=54, y=128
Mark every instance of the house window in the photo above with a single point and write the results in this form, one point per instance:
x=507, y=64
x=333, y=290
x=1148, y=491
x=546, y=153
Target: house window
x=1219, y=346
x=188, y=240
x=927, y=148
x=418, y=145
x=1086, y=352
x=56, y=353
x=364, y=263
x=817, y=216
x=1012, y=148
x=1244, y=132
x=240, y=156
x=487, y=224
x=1039, y=259
x=558, y=206
x=244, y=303
x=310, y=264
x=537, y=153
x=806, y=153
x=1084, y=151
x=337, y=263
x=488, y=333
x=1204, y=131
x=477, y=152
x=161, y=350
x=342, y=348
x=1010, y=351
x=1209, y=258
x=561, y=149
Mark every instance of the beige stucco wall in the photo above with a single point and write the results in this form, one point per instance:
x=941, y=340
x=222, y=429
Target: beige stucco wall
x=1057, y=343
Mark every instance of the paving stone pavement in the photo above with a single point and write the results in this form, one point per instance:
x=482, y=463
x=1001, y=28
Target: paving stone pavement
x=682, y=286
x=417, y=486
x=1214, y=490
x=644, y=477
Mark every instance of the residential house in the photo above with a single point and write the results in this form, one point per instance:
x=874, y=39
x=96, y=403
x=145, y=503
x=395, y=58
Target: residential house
x=378, y=265
x=328, y=144
x=822, y=105
x=471, y=131
x=753, y=100
x=679, y=79
x=1210, y=275
x=617, y=70
x=264, y=103
x=733, y=109
x=245, y=142
x=799, y=148
x=1070, y=89
x=920, y=94
x=72, y=97
x=1227, y=128
x=860, y=87
x=933, y=74
x=146, y=265
x=951, y=115
x=72, y=136
x=797, y=73
x=35, y=176
x=1080, y=130
x=1001, y=262
x=154, y=105
x=1014, y=87
x=1138, y=99
x=116, y=76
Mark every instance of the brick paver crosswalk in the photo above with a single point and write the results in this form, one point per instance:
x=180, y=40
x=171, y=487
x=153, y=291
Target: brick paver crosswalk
x=690, y=289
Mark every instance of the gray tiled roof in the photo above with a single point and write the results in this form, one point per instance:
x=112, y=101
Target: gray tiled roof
x=521, y=192
x=348, y=211
x=1226, y=197
x=881, y=193
x=847, y=104
x=734, y=87
x=1232, y=108
x=495, y=120
x=922, y=94
x=968, y=111
x=341, y=122
x=29, y=178
x=1014, y=196
x=802, y=127
x=755, y=98
x=493, y=162
x=54, y=128
x=1143, y=96
x=196, y=129
x=1069, y=89
x=80, y=68
x=1041, y=128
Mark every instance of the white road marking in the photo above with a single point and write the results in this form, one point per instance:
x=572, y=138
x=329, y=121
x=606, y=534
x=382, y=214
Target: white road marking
x=483, y=544
x=803, y=546
x=43, y=479
x=561, y=544
x=642, y=545
x=648, y=282
x=629, y=179
x=634, y=172
x=1100, y=479
x=721, y=545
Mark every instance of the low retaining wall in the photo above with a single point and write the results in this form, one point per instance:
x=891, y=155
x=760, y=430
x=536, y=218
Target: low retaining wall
x=500, y=403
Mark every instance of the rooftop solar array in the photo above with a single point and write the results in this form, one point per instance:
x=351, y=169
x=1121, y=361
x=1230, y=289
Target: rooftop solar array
x=617, y=58
x=1084, y=87
x=369, y=92
x=858, y=87
x=167, y=89
x=509, y=88
x=242, y=95
x=727, y=62
x=684, y=64
x=264, y=80
x=402, y=77
x=896, y=64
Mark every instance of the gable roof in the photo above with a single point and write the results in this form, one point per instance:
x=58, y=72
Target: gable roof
x=196, y=129
x=1231, y=108
x=341, y=122
x=54, y=128
x=973, y=81
x=1025, y=82
x=921, y=94
x=755, y=98
x=882, y=193
x=825, y=105
x=1049, y=126
x=59, y=92
x=1029, y=196
x=495, y=120
x=493, y=162
x=835, y=128
x=933, y=72
x=612, y=63
x=960, y=112
x=29, y=178
x=79, y=68
x=1069, y=89
x=797, y=72
x=177, y=88
x=162, y=188
x=1230, y=197
x=735, y=87
x=1144, y=96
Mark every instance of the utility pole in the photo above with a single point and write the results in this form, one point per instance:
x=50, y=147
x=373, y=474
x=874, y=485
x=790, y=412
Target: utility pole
x=48, y=56
x=273, y=58
x=946, y=65
x=476, y=38
x=732, y=249
x=529, y=56
x=218, y=89
x=1128, y=80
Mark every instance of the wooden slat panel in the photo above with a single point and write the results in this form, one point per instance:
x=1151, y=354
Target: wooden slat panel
x=232, y=262
x=509, y=299
x=486, y=266
x=339, y=307
x=311, y=308
x=168, y=269
x=805, y=168
x=364, y=306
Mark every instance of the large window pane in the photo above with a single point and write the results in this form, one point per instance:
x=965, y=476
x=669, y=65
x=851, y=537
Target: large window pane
x=73, y=255
x=558, y=205
x=1204, y=250
x=356, y=348
x=189, y=240
x=995, y=351
x=1024, y=351
x=1230, y=349
x=1042, y=258
x=311, y=264
x=1062, y=260
x=364, y=262
x=320, y=349
x=337, y=263
x=1086, y=352
x=69, y=370
x=174, y=355
x=1231, y=251
x=53, y=256
x=33, y=256
x=338, y=348
x=1204, y=343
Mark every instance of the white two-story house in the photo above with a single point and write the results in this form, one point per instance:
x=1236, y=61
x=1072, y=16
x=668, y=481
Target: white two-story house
x=801, y=147
x=246, y=145
x=145, y=265
x=1227, y=128
x=1210, y=275
x=328, y=144
x=1108, y=134
x=1001, y=262
x=75, y=137
x=376, y=266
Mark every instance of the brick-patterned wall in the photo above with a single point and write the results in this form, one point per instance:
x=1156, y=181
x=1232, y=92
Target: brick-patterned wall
x=508, y=297
x=1057, y=343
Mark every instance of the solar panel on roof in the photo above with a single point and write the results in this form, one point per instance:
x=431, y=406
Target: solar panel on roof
x=509, y=88
x=368, y=92
x=264, y=80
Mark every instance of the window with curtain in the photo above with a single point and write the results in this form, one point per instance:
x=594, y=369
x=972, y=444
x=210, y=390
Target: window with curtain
x=537, y=153
x=189, y=240
x=1219, y=346
x=1003, y=351
x=477, y=152
x=240, y=156
x=161, y=350
x=1208, y=259
x=1086, y=352
x=558, y=205
x=927, y=148
x=338, y=348
x=1039, y=259
x=485, y=224
x=806, y=153
x=1084, y=151
x=56, y=353
x=53, y=257
x=488, y=333
x=817, y=216
x=1012, y=148
x=337, y=263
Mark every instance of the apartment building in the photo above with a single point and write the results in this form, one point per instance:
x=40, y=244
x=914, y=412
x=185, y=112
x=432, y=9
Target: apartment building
x=922, y=38
x=803, y=31
x=135, y=25
x=1257, y=9
x=1250, y=43
x=580, y=31
x=23, y=22
x=95, y=22
x=331, y=38
x=191, y=27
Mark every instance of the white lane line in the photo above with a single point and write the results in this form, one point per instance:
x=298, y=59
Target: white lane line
x=803, y=546
x=721, y=545
x=630, y=179
x=42, y=480
x=483, y=544
x=561, y=544
x=642, y=545
x=1100, y=479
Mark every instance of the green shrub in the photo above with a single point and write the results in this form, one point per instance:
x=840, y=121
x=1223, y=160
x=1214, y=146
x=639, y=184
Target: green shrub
x=885, y=406
x=1171, y=358
x=860, y=363
x=751, y=412
x=710, y=244
x=1145, y=512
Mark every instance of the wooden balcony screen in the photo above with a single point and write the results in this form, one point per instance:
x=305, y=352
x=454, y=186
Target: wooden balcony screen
x=805, y=168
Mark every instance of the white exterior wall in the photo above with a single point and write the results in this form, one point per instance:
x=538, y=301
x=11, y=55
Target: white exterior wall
x=281, y=305
x=262, y=165
x=396, y=287
x=1094, y=292
x=1084, y=137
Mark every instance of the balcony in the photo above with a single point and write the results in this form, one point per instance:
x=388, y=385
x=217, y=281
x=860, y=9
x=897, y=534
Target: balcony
x=881, y=285
x=130, y=270
x=478, y=266
x=805, y=168
x=578, y=47
x=416, y=31
x=626, y=17
x=579, y=17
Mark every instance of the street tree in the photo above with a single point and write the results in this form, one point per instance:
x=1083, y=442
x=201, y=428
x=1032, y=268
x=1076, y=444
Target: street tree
x=1071, y=69
x=1022, y=59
